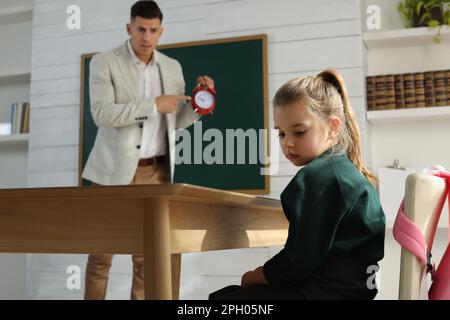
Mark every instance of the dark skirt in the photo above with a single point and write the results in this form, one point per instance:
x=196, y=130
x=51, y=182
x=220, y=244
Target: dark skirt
x=338, y=279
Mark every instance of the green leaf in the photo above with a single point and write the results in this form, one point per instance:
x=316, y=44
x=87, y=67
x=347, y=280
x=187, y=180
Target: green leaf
x=437, y=39
x=432, y=5
x=405, y=14
x=419, y=6
x=433, y=23
x=425, y=17
x=406, y=21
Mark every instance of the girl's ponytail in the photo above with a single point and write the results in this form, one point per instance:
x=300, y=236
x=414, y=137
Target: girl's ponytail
x=354, y=147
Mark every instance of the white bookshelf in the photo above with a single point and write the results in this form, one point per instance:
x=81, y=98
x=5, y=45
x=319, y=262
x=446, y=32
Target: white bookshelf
x=400, y=51
x=14, y=139
x=403, y=51
x=403, y=115
x=404, y=37
x=13, y=76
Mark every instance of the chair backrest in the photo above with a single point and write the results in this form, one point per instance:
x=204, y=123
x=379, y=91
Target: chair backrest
x=424, y=199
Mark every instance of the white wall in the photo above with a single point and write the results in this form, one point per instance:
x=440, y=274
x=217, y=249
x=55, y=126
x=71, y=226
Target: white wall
x=390, y=19
x=16, y=46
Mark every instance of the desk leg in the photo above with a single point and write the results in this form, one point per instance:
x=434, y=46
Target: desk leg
x=176, y=269
x=157, y=259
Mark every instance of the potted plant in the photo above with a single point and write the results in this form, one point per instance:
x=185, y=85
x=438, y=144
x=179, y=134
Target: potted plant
x=420, y=13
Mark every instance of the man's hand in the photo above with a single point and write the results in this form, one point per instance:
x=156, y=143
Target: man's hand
x=205, y=81
x=253, y=278
x=168, y=103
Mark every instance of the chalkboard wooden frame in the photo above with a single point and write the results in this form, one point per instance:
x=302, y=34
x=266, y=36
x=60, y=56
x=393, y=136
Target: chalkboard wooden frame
x=264, y=68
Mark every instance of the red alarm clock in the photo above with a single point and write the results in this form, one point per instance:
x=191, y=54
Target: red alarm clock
x=203, y=99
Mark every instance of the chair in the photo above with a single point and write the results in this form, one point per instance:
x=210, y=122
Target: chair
x=424, y=199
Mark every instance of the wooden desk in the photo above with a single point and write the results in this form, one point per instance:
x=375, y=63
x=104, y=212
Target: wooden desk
x=160, y=221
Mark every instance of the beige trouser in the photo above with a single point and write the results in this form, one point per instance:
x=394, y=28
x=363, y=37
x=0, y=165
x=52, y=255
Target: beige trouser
x=98, y=265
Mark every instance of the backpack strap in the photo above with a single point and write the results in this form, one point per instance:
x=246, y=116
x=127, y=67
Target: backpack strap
x=411, y=238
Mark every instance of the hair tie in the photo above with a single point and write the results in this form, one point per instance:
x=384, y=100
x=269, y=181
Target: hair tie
x=331, y=79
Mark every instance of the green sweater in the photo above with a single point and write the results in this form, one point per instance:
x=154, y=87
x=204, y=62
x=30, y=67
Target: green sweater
x=332, y=210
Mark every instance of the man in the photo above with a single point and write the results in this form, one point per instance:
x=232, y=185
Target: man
x=137, y=102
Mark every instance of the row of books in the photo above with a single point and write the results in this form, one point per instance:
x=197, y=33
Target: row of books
x=20, y=118
x=408, y=90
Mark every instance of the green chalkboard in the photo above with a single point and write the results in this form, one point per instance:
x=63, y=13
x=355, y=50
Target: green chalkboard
x=239, y=69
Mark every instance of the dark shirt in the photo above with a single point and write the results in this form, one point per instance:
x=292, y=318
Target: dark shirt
x=333, y=212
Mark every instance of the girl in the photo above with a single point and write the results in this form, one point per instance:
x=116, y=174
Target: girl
x=336, y=223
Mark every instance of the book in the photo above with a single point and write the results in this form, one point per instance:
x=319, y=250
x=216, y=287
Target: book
x=409, y=90
x=447, y=84
x=399, y=93
x=389, y=84
x=419, y=88
x=12, y=116
x=20, y=117
x=16, y=117
x=26, y=118
x=370, y=89
x=440, y=88
x=430, y=100
x=380, y=91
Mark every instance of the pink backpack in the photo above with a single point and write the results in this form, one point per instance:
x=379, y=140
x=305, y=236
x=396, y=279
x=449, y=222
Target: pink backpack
x=411, y=238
